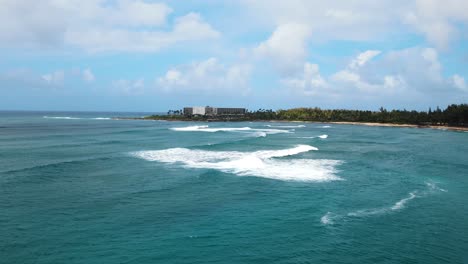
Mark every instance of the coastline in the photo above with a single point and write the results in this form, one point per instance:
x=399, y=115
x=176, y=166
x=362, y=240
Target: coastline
x=453, y=128
x=442, y=127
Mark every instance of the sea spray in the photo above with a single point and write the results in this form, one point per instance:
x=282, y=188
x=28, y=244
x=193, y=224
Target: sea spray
x=264, y=163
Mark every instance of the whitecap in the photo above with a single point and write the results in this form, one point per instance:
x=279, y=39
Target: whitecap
x=290, y=126
x=325, y=126
x=206, y=128
x=60, y=117
x=321, y=136
x=328, y=218
x=189, y=128
x=432, y=186
x=259, y=134
x=400, y=204
x=264, y=163
x=74, y=118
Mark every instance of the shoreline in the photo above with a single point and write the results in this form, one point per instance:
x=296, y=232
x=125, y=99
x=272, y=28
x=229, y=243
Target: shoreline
x=442, y=127
x=453, y=128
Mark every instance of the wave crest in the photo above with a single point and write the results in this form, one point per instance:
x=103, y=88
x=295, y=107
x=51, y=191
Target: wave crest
x=290, y=126
x=321, y=136
x=205, y=128
x=74, y=118
x=263, y=163
x=328, y=218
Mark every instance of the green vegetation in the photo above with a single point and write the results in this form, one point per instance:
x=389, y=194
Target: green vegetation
x=453, y=115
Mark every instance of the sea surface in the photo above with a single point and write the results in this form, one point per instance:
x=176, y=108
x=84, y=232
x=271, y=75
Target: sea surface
x=84, y=188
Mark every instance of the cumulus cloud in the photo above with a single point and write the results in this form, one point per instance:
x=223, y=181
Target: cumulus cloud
x=88, y=75
x=209, y=76
x=55, y=78
x=97, y=26
x=129, y=87
x=438, y=21
x=287, y=46
x=459, y=82
x=362, y=58
x=399, y=72
x=310, y=82
x=187, y=28
x=333, y=19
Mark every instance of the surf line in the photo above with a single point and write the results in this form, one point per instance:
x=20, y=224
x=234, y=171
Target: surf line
x=329, y=218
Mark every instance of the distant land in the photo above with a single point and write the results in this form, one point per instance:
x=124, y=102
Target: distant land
x=454, y=117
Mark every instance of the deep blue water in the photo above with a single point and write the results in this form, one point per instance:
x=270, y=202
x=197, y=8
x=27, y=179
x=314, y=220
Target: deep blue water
x=79, y=188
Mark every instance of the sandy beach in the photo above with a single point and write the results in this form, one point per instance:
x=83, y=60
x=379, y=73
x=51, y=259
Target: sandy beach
x=402, y=125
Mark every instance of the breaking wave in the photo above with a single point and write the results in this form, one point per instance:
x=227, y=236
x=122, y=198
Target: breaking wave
x=206, y=128
x=60, y=117
x=321, y=136
x=325, y=127
x=400, y=204
x=264, y=163
x=329, y=217
x=74, y=118
x=298, y=126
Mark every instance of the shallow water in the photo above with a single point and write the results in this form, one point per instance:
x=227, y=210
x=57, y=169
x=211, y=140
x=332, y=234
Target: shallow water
x=82, y=188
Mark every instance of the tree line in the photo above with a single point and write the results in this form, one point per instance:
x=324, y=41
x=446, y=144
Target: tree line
x=453, y=115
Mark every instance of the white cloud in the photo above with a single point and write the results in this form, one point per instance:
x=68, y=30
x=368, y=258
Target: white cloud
x=54, y=78
x=346, y=76
x=398, y=72
x=351, y=76
x=88, y=75
x=459, y=82
x=129, y=87
x=438, y=20
x=332, y=19
x=208, y=76
x=97, y=26
x=286, y=47
x=362, y=58
x=309, y=83
x=137, y=13
x=416, y=69
x=187, y=28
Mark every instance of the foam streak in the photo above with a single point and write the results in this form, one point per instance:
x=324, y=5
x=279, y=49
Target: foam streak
x=265, y=163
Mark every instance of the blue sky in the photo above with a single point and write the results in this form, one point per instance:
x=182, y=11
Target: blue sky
x=141, y=55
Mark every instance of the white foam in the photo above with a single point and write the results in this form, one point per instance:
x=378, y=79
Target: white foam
x=367, y=212
x=60, y=117
x=433, y=186
x=321, y=136
x=228, y=129
x=74, y=118
x=325, y=126
x=189, y=128
x=298, y=126
x=400, y=204
x=260, y=134
x=327, y=219
x=263, y=163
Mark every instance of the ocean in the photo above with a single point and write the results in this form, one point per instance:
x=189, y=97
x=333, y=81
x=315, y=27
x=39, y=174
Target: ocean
x=84, y=188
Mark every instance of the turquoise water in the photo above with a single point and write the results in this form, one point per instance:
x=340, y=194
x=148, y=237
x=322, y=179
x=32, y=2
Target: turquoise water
x=80, y=188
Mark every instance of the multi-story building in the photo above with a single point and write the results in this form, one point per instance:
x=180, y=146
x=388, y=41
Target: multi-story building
x=213, y=111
